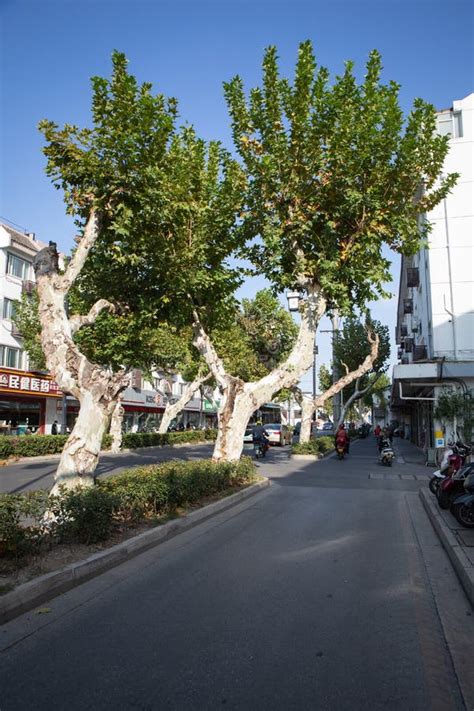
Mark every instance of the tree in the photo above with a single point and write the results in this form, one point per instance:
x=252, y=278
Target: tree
x=160, y=208
x=333, y=177
x=350, y=348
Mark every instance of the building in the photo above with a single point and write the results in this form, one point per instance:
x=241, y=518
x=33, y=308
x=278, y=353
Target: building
x=435, y=322
x=28, y=399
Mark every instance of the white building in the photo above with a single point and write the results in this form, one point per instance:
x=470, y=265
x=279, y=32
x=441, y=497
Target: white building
x=435, y=324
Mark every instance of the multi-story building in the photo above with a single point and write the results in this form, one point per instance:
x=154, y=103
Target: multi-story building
x=28, y=399
x=435, y=322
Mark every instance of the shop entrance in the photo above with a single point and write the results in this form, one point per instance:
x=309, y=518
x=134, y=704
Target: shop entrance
x=18, y=416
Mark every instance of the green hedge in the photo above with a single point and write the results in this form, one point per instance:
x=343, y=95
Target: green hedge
x=37, y=445
x=318, y=445
x=89, y=515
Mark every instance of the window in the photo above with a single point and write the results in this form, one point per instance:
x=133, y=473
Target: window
x=9, y=308
x=450, y=124
x=18, y=267
x=10, y=357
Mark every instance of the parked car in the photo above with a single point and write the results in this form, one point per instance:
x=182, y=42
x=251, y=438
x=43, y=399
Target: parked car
x=327, y=427
x=248, y=435
x=278, y=434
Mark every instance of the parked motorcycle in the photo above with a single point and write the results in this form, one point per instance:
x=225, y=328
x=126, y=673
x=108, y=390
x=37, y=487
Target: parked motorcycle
x=454, y=458
x=387, y=455
x=453, y=486
x=463, y=506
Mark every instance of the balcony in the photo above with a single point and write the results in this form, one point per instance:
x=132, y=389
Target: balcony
x=420, y=353
x=413, y=276
x=407, y=306
x=403, y=330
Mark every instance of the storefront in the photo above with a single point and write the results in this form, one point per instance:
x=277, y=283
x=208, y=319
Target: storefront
x=28, y=401
x=143, y=410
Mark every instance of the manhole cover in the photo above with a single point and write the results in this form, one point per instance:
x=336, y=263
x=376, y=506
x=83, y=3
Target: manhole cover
x=466, y=537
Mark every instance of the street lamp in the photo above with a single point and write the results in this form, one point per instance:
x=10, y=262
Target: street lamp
x=315, y=353
x=294, y=298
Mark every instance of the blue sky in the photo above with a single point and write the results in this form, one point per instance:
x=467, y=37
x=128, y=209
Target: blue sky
x=50, y=49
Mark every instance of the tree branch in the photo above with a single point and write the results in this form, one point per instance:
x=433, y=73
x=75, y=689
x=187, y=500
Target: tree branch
x=203, y=344
x=77, y=321
x=350, y=377
x=91, y=232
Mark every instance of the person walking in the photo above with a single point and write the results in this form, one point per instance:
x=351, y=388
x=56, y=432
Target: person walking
x=55, y=428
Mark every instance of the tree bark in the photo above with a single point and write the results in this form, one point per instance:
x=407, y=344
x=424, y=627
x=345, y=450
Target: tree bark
x=116, y=428
x=342, y=383
x=239, y=399
x=174, y=409
x=96, y=388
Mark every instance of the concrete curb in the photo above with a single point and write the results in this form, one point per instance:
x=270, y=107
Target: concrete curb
x=33, y=593
x=459, y=560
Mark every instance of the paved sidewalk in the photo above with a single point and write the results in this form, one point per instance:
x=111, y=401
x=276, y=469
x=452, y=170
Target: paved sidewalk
x=457, y=540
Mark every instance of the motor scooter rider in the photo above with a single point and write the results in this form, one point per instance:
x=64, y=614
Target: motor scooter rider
x=342, y=438
x=260, y=435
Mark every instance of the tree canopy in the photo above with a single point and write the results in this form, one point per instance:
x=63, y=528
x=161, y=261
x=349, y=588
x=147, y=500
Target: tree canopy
x=335, y=173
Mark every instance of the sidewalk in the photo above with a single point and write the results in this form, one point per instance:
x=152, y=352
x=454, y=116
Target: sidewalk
x=457, y=540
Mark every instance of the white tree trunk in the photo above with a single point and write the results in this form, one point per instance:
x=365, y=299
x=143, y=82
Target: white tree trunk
x=307, y=410
x=116, y=428
x=343, y=382
x=96, y=388
x=172, y=410
x=240, y=400
x=356, y=395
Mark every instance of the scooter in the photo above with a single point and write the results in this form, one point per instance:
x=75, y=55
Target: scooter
x=387, y=455
x=463, y=506
x=453, y=459
x=340, y=450
x=260, y=448
x=453, y=486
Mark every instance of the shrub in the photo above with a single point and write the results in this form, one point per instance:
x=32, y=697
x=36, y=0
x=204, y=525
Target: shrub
x=20, y=519
x=37, y=445
x=6, y=447
x=325, y=444
x=86, y=515
x=83, y=515
x=311, y=447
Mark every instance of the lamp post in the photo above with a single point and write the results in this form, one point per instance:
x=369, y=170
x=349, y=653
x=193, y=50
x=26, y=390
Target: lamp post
x=315, y=353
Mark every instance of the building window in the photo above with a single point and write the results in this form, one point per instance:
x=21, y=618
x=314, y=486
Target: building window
x=9, y=308
x=10, y=357
x=450, y=124
x=18, y=267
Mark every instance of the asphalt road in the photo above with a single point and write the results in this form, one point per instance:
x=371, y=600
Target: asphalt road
x=317, y=594
x=35, y=474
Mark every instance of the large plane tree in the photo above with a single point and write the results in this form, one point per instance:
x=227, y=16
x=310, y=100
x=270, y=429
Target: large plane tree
x=336, y=174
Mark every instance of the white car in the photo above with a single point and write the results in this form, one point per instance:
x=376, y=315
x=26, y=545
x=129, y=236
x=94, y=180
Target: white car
x=248, y=438
x=278, y=434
